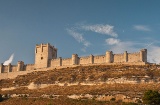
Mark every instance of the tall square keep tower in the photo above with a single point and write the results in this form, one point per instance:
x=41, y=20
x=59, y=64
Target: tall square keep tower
x=43, y=55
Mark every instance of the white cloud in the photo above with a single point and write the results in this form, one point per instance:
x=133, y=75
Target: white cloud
x=141, y=27
x=79, y=37
x=9, y=60
x=83, y=49
x=112, y=41
x=100, y=28
x=153, y=54
x=124, y=46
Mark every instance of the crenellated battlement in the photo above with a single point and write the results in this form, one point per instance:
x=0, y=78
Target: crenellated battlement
x=84, y=57
x=46, y=56
x=15, y=68
x=65, y=59
x=58, y=59
x=99, y=55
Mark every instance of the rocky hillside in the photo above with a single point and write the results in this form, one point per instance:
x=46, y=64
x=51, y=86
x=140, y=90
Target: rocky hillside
x=102, y=83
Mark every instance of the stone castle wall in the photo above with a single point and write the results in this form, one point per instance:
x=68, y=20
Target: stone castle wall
x=56, y=62
x=16, y=68
x=4, y=69
x=46, y=56
x=66, y=62
x=28, y=67
x=118, y=58
x=132, y=57
x=125, y=58
x=99, y=59
x=84, y=60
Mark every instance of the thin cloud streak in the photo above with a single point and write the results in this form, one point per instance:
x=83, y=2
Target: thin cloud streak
x=153, y=54
x=124, y=46
x=9, y=60
x=100, y=28
x=141, y=28
x=79, y=38
x=97, y=28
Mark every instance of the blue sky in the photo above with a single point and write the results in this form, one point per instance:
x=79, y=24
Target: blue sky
x=79, y=26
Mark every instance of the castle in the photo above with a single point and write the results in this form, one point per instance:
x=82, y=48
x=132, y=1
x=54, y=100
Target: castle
x=46, y=56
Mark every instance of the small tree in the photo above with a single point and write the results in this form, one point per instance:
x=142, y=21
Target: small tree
x=1, y=99
x=151, y=97
x=112, y=99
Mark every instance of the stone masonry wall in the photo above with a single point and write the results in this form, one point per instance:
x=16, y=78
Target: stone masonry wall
x=99, y=59
x=46, y=56
x=5, y=69
x=56, y=62
x=84, y=60
x=118, y=58
x=66, y=62
x=14, y=68
x=134, y=57
x=29, y=67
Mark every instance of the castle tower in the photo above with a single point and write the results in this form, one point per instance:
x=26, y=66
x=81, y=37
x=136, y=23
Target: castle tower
x=125, y=56
x=1, y=68
x=9, y=67
x=109, y=57
x=143, y=55
x=43, y=55
x=20, y=65
x=74, y=59
x=91, y=60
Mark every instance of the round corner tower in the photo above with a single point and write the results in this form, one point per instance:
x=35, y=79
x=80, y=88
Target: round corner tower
x=109, y=56
x=143, y=55
x=74, y=59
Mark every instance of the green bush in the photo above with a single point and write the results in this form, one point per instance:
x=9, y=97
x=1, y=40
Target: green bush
x=151, y=97
x=50, y=96
x=112, y=99
x=1, y=99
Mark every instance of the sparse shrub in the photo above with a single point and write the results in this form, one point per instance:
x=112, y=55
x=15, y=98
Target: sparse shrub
x=25, y=96
x=151, y=97
x=112, y=99
x=73, y=78
x=91, y=77
x=1, y=99
x=119, y=101
x=59, y=78
x=50, y=96
x=20, y=95
x=6, y=96
x=94, y=97
x=103, y=77
x=138, y=101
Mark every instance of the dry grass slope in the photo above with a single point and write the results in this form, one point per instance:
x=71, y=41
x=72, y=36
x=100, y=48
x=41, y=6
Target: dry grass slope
x=81, y=74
